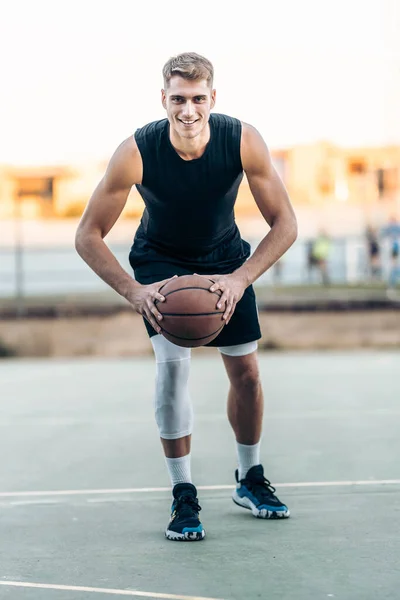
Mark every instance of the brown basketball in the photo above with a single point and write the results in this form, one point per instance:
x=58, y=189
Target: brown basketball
x=190, y=314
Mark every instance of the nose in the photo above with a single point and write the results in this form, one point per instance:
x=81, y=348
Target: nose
x=188, y=110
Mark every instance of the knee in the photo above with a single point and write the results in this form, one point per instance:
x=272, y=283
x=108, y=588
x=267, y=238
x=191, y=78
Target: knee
x=172, y=377
x=173, y=408
x=247, y=382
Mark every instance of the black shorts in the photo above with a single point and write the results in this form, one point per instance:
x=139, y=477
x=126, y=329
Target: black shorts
x=243, y=327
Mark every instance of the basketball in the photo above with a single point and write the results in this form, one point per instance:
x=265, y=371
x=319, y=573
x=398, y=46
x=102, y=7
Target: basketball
x=190, y=314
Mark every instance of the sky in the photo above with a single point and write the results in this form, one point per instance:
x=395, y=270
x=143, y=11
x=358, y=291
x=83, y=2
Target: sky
x=78, y=77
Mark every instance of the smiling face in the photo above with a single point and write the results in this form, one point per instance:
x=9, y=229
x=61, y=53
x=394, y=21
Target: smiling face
x=188, y=104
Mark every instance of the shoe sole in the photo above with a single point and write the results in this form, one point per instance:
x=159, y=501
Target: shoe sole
x=260, y=514
x=188, y=536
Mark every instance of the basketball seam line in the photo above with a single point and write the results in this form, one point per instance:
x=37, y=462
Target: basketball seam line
x=194, y=287
x=178, y=337
x=221, y=312
x=212, y=281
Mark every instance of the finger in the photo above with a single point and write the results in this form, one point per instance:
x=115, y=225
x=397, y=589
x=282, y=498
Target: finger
x=154, y=311
x=169, y=279
x=157, y=295
x=209, y=277
x=232, y=310
x=164, y=281
x=152, y=322
x=229, y=302
x=216, y=285
x=152, y=319
x=223, y=301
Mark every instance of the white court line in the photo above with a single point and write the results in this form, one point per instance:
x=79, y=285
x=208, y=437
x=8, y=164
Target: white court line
x=302, y=484
x=74, y=588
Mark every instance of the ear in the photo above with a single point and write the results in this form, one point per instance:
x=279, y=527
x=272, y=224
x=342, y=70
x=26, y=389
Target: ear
x=164, y=99
x=213, y=98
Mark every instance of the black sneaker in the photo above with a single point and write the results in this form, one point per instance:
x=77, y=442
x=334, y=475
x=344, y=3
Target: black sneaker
x=185, y=524
x=256, y=493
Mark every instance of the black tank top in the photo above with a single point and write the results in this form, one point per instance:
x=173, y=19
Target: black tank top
x=189, y=205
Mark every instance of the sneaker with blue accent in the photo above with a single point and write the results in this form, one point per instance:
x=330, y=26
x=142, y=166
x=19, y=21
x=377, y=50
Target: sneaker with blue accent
x=257, y=494
x=185, y=525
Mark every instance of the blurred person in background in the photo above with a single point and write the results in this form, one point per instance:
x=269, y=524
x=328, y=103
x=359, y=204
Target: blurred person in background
x=311, y=262
x=392, y=231
x=373, y=253
x=319, y=254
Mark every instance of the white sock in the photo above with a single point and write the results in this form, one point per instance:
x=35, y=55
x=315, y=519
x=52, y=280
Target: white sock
x=248, y=456
x=179, y=469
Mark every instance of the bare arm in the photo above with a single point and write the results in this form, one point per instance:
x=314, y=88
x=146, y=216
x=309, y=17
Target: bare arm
x=104, y=207
x=274, y=204
x=272, y=200
x=103, y=210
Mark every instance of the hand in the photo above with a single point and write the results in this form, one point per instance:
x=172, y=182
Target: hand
x=143, y=299
x=232, y=287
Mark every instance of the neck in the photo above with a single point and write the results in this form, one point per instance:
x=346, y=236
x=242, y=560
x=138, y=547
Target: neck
x=190, y=148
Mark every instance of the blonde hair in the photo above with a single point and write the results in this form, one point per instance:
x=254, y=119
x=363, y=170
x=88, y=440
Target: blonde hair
x=188, y=65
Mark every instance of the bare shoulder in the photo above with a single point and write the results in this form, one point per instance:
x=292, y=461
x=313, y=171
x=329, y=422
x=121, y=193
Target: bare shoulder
x=253, y=150
x=125, y=168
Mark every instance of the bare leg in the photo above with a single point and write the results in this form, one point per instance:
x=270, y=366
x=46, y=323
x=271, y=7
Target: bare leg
x=245, y=398
x=245, y=412
x=176, y=448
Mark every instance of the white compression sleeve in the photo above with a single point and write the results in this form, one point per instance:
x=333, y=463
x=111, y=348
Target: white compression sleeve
x=172, y=403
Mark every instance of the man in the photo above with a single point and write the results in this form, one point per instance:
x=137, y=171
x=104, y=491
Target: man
x=188, y=168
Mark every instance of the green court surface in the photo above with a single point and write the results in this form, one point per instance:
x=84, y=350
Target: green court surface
x=85, y=498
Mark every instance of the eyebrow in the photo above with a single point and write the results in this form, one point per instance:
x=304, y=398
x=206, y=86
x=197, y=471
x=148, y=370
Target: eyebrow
x=195, y=96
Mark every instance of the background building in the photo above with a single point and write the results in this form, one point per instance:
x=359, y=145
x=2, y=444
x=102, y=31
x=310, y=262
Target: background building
x=316, y=175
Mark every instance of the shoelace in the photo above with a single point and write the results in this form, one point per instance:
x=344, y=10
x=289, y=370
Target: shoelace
x=263, y=485
x=188, y=501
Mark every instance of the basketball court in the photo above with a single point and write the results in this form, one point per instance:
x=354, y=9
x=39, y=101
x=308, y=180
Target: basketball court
x=85, y=495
